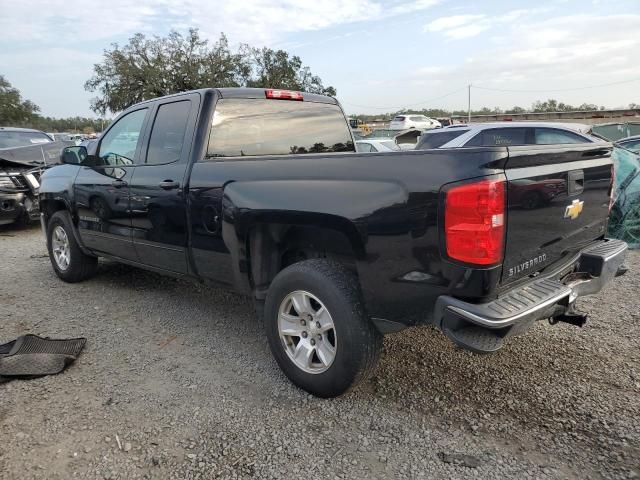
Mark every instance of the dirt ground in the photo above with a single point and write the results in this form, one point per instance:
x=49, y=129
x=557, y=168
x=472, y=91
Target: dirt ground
x=177, y=381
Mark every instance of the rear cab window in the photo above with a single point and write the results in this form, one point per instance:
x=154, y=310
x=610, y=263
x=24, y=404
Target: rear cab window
x=253, y=127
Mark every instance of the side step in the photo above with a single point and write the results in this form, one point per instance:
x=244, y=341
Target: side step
x=476, y=339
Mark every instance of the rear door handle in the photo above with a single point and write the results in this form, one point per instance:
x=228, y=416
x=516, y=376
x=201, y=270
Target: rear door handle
x=119, y=183
x=169, y=185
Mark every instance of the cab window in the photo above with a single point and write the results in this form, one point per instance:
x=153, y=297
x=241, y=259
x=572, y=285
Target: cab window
x=252, y=127
x=168, y=134
x=120, y=143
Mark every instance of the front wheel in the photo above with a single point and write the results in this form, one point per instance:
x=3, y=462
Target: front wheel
x=317, y=328
x=67, y=259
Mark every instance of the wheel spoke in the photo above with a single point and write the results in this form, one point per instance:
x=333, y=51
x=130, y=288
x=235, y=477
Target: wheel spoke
x=326, y=323
x=290, y=325
x=303, y=353
x=301, y=303
x=325, y=352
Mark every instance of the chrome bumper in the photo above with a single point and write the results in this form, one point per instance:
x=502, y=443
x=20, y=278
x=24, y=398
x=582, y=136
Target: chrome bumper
x=542, y=298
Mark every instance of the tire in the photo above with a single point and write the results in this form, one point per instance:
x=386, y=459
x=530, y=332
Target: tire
x=355, y=342
x=60, y=236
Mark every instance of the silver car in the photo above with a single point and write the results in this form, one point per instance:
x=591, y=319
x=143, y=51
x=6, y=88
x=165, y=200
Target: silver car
x=376, y=145
x=506, y=134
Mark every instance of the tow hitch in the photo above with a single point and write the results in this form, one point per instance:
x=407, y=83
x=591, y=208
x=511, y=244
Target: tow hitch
x=574, y=318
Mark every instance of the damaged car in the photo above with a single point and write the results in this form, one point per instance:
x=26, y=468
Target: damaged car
x=24, y=154
x=624, y=222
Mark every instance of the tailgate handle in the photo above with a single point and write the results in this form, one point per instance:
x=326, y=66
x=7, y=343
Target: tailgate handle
x=576, y=182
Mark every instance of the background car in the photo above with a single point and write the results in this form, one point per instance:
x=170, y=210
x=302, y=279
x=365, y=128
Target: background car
x=506, y=134
x=419, y=122
x=11, y=137
x=376, y=145
x=630, y=143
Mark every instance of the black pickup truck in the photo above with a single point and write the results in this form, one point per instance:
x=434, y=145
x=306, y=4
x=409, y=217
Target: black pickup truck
x=261, y=191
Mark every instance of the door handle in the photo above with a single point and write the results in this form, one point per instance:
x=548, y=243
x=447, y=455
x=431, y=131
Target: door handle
x=119, y=183
x=169, y=185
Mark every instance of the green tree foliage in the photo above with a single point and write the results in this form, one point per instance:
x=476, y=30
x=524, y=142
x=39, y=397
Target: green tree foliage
x=275, y=68
x=151, y=67
x=13, y=109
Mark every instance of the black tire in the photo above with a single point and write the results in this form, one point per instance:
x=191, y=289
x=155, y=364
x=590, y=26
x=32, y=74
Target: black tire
x=80, y=266
x=358, y=342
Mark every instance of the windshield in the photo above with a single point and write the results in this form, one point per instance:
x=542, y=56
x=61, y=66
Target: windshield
x=22, y=139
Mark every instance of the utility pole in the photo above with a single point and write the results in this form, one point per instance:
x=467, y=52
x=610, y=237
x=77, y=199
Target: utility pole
x=469, y=106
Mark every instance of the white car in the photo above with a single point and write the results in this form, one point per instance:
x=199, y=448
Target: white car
x=505, y=134
x=419, y=122
x=376, y=145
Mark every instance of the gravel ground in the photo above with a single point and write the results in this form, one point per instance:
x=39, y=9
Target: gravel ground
x=177, y=381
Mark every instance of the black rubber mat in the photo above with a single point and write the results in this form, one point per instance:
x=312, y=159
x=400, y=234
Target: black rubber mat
x=34, y=356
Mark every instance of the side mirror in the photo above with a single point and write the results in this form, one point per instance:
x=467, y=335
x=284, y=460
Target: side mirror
x=74, y=155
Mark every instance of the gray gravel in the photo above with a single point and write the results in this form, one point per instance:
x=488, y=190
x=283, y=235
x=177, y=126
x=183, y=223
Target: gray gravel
x=177, y=381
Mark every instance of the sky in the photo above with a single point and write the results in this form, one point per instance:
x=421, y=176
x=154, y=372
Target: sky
x=380, y=55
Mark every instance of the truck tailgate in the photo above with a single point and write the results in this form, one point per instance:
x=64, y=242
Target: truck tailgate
x=557, y=202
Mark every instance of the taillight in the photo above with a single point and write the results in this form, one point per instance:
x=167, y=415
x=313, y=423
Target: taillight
x=475, y=222
x=283, y=95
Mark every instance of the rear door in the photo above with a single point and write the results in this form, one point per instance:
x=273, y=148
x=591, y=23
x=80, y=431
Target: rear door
x=157, y=189
x=558, y=202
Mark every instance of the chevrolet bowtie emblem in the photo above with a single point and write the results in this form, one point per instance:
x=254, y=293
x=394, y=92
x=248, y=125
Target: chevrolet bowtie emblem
x=574, y=210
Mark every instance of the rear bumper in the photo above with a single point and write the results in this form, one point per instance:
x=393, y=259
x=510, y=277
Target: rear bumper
x=483, y=327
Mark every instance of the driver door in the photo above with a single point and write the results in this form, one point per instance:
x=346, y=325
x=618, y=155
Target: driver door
x=101, y=189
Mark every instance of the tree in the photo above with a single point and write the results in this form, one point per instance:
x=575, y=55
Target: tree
x=13, y=109
x=276, y=69
x=151, y=67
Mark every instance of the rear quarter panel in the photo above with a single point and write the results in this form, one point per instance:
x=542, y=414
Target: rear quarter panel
x=385, y=203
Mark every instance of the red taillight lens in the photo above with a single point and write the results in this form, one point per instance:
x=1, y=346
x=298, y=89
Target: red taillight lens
x=283, y=95
x=475, y=222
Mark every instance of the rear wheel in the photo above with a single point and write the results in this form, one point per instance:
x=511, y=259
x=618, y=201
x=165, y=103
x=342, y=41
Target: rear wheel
x=68, y=261
x=317, y=328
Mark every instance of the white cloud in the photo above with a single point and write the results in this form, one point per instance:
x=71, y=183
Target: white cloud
x=252, y=21
x=454, y=21
x=557, y=54
x=458, y=27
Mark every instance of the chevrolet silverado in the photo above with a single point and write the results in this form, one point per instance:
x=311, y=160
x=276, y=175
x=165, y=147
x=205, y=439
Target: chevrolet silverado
x=261, y=191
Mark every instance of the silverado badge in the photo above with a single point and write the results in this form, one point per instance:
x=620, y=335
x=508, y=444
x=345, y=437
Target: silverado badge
x=574, y=210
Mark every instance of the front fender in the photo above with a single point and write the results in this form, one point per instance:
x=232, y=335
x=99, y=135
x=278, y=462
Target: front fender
x=56, y=184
